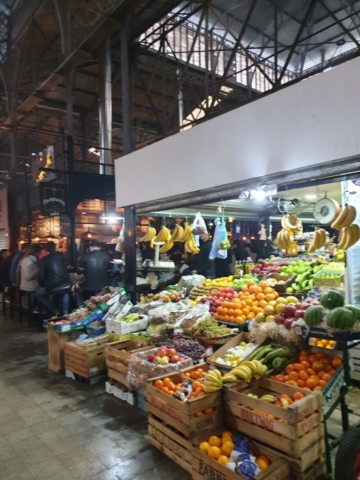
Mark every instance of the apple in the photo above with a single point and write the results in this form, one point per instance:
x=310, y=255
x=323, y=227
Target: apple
x=164, y=360
x=174, y=359
x=161, y=351
x=289, y=311
x=157, y=360
x=299, y=313
x=279, y=319
x=151, y=358
x=181, y=359
x=171, y=352
x=288, y=323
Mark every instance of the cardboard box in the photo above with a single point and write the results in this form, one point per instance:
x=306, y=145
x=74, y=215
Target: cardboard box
x=121, y=328
x=84, y=362
x=115, y=389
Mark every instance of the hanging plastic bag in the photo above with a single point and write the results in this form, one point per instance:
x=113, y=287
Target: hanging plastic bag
x=199, y=225
x=220, y=235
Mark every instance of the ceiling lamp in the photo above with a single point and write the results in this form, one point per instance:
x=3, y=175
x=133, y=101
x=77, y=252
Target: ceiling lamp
x=258, y=194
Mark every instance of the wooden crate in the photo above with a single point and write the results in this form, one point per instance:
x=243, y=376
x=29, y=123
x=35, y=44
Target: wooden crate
x=204, y=467
x=56, y=344
x=84, y=362
x=180, y=415
x=234, y=342
x=283, y=427
x=170, y=442
x=305, y=461
x=315, y=472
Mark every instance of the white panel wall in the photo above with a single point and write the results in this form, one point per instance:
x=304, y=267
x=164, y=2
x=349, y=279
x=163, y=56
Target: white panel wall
x=315, y=121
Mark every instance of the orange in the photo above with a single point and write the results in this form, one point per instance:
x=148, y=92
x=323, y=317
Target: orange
x=298, y=395
x=204, y=447
x=214, y=452
x=312, y=382
x=196, y=385
x=263, y=284
x=246, y=311
x=223, y=459
x=166, y=381
x=322, y=383
x=268, y=290
x=317, y=366
x=317, y=388
x=301, y=383
x=250, y=283
x=165, y=390
x=303, y=375
x=298, y=367
x=215, y=441
x=227, y=447
x=198, y=414
x=226, y=434
x=269, y=297
x=262, y=303
x=336, y=362
x=208, y=410
x=326, y=377
x=289, y=369
x=158, y=384
x=260, y=296
x=262, y=463
x=293, y=376
x=292, y=382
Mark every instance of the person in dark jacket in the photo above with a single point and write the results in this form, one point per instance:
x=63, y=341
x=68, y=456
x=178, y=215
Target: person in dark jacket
x=239, y=250
x=95, y=266
x=224, y=267
x=53, y=279
x=205, y=266
x=14, y=264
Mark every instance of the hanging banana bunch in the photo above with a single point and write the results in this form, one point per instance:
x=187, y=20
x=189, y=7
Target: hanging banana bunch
x=319, y=240
x=163, y=236
x=149, y=235
x=168, y=245
x=187, y=233
x=290, y=222
x=346, y=217
x=351, y=235
x=178, y=234
x=190, y=246
x=283, y=239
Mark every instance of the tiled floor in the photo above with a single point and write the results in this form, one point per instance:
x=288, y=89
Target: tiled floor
x=53, y=428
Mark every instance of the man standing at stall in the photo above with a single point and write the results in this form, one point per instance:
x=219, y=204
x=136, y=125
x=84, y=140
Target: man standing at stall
x=205, y=266
x=95, y=267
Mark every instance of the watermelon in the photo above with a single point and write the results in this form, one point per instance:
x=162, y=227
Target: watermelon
x=355, y=310
x=313, y=316
x=342, y=318
x=332, y=299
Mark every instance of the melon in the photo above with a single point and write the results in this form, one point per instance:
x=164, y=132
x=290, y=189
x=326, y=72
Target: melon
x=342, y=318
x=332, y=299
x=313, y=316
x=355, y=311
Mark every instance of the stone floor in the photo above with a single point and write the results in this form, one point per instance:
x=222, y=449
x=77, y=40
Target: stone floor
x=54, y=428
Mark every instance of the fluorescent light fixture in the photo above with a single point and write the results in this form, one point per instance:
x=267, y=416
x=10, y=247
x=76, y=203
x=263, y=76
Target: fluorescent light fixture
x=311, y=196
x=259, y=195
x=94, y=151
x=33, y=154
x=112, y=218
x=27, y=165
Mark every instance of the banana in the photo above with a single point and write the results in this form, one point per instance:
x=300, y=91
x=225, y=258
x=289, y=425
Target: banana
x=251, y=365
x=162, y=236
x=166, y=247
x=177, y=234
x=283, y=223
x=292, y=220
x=285, y=404
x=268, y=398
x=187, y=233
x=315, y=244
x=286, y=239
x=228, y=378
x=217, y=374
x=346, y=217
x=322, y=234
x=210, y=389
x=343, y=239
x=351, y=234
x=279, y=240
x=212, y=379
x=149, y=235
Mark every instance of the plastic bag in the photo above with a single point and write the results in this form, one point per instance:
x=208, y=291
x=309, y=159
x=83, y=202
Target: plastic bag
x=196, y=314
x=189, y=282
x=220, y=235
x=199, y=225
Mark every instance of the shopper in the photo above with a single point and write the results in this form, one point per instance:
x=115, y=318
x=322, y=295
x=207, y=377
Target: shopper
x=225, y=267
x=252, y=250
x=28, y=270
x=15, y=263
x=4, y=253
x=188, y=265
x=239, y=250
x=95, y=266
x=53, y=280
x=7, y=268
x=205, y=266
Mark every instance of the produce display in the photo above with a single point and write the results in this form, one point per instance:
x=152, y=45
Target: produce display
x=310, y=371
x=164, y=355
x=282, y=400
x=319, y=240
x=234, y=452
x=200, y=291
x=322, y=343
x=235, y=355
x=132, y=317
x=185, y=346
x=274, y=359
x=209, y=328
x=149, y=235
x=245, y=372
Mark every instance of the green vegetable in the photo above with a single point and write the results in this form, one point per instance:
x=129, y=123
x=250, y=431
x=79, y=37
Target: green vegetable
x=280, y=352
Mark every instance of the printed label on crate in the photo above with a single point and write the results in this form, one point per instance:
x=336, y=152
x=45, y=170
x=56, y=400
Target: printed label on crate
x=165, y=408
x=93, y=370
x=306, y=412
x=168, y=442
x=259, y=420
x=209, y=472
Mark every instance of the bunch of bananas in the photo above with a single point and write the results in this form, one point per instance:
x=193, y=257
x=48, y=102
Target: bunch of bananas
x=283, y=239
x=190, y=246
x=346, y=217
x=149, y=235
x=187, y=233
x=351, y=235
x=245, y=371
x=212, y=381
x=164, y=235
x=168, y=245
x=319, y=240
x=290, y=222
x=178, y=234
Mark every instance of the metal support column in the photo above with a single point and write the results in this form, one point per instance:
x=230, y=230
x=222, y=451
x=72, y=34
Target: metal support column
x=129, y=212
x=71, y=201
x=105, y=107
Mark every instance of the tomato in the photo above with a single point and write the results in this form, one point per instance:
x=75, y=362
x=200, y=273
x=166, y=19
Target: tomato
x=301, y=383
x=321, y=373
x=289, y=369
x=326, y=377
x=336, y=362
x=293, y=376
x=298, y=367
x=310, y=371
x=317, y=366
x=312, y=382
x=305, y=364
x=303, y=375
x=298, y=395
x=304, y=353
x=313, y=358
x=322, y=383
x=292, y=382
x=280, y=378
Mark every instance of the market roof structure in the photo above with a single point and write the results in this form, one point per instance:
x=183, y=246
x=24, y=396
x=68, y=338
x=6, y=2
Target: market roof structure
x=189, y=61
